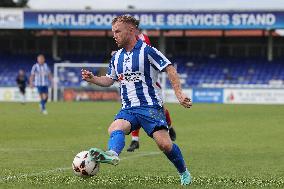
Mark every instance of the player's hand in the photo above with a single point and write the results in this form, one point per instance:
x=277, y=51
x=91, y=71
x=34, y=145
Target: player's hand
x=185, y=101
x=87, y=75
x=31, y=85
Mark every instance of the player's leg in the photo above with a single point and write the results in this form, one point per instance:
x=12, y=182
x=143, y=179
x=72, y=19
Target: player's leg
x=23, y=91
x=169, y=122
x=173, y=153
x=153, y=121
x=123, y=124
x=116, y=143
x=43, y=101
x=117, y=131
x=134, y=141
x=135, y=135
x=44, y=98
x=24, y=94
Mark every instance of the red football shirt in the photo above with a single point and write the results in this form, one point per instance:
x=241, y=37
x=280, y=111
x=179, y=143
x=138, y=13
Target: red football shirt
x=144, y=38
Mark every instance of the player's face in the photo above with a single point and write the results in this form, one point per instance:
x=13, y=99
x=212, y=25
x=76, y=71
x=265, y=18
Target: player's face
x=122, y=33
x=40, y=59
x=21, y=72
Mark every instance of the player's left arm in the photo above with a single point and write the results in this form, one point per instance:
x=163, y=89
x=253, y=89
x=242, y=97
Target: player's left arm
x=175, y=82
x=158, y=60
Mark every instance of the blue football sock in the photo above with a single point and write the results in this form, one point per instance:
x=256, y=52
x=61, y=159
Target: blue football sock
x=42, y=103
x=176, y=158
x=45, y=101
x=116, y=141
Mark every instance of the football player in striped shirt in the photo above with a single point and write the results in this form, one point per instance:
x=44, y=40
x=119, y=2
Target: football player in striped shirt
x=136, y=66
x=41, y=78
x=135, y=134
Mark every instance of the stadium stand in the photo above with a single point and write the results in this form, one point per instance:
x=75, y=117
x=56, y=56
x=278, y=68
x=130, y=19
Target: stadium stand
x=195, y=72
x=225, y=72
x=10, y=64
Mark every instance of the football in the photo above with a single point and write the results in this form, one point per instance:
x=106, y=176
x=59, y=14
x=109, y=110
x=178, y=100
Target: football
x=83, y=166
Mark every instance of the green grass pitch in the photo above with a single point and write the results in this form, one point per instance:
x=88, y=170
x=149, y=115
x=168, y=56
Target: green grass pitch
x=225, y=146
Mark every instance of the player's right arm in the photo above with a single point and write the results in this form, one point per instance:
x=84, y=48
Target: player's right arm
x=102, y=81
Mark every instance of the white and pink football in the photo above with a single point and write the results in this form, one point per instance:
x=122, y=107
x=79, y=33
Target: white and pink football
x=83, y=166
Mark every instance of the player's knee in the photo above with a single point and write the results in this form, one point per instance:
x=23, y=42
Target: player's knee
x=120, y=124
x=166, y=146
x=45, y=97
x=111, y=129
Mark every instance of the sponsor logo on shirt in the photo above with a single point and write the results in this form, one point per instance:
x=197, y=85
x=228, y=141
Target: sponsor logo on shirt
x=130, y=77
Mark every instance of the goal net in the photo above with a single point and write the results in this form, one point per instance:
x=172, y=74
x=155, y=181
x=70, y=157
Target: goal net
x=68, y=85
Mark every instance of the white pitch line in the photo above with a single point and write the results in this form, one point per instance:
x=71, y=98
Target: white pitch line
x=66, y=168
x=31, y=150
x=140, y=155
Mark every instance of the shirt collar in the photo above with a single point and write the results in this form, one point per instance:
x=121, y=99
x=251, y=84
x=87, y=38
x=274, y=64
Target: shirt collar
x=136, y=46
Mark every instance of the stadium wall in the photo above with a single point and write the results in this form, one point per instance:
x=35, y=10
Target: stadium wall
x=198, y=95
x=12, y=94
x=231, y=96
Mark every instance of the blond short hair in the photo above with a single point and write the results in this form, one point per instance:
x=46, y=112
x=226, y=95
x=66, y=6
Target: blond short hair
x=126, y=19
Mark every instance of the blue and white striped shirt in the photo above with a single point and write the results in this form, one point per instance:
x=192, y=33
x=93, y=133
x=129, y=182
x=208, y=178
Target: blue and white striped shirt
x=137, y=72
x=41, y=72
